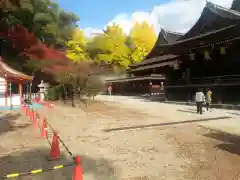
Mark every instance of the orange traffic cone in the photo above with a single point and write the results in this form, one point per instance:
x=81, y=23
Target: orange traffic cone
x=55, y=150
x=36, y=121
x=44, y=129
x=32, y=115
x=29, y=112
x=78, y=173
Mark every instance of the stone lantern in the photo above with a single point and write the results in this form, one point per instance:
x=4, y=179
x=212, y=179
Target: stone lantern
x=43, y=89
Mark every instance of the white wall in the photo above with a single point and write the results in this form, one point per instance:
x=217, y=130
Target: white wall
x=2, y=100
x=16, y=99
x=2, y=85
x=2, y=91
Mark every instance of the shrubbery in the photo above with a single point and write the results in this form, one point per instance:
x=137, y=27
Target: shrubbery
x=53, y=94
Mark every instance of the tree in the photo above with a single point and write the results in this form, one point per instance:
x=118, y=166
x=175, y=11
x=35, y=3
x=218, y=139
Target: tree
x=111, y=47
x=236, y=5
x=83, y=79
x=142, y=39
x=76, y=47
x=45, y=19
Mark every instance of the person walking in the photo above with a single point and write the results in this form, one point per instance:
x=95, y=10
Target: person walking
x=208, y=99
x=110, y=90
x=200, y=99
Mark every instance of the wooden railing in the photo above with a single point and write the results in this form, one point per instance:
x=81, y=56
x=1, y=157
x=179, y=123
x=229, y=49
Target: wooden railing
x=213, y=80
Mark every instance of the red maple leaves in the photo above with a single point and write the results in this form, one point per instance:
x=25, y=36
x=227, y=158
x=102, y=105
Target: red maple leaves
x=26, y=44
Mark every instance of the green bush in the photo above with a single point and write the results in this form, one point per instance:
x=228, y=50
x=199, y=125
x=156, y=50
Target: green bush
x=94, y=86
x=53, y=94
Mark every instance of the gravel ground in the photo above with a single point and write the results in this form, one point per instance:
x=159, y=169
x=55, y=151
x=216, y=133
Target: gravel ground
x=127, y=138
x=22, y=149
x=124, y=138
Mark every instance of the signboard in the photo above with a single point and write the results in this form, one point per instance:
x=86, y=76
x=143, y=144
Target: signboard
x=157, y=91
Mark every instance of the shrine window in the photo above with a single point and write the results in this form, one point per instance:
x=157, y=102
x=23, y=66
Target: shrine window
x=14, y=87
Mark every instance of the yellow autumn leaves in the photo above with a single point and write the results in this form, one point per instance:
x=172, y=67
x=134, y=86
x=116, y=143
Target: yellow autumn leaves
x=113, y=46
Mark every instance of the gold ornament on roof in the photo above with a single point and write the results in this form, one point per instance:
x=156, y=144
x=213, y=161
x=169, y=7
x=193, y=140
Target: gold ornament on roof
x=206, y=55
x=222, y=50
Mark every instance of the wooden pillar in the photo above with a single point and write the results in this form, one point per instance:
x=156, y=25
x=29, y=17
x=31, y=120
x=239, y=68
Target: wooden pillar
x=188, y=81
x=6, y=93
x=20, y=88
x=188, y=75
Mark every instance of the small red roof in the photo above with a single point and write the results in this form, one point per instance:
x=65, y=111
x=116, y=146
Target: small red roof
x=8, y=72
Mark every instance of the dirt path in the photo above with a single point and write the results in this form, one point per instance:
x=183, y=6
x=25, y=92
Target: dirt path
x=22, y=149
x=118, y=141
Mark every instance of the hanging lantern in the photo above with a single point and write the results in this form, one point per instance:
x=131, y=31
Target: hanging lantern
x=222, y=50
x=162, y=86
x=183, y=75
x=176, y=66
x=192, y=56
x=206, y=55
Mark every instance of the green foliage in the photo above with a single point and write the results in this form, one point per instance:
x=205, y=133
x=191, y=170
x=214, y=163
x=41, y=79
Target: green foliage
x=53, y=93
x=37, y=65
x=93, y=86
x=50, y=24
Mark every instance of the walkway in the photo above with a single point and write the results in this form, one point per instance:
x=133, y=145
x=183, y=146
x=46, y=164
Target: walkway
x=22, y=149
x=127, y=137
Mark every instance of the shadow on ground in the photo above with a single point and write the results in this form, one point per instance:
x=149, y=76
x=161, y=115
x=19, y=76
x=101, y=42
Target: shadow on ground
x=100, y=169
x=230, y=141
x=238, y=114
x=7, y=122
x=165, y=124
x=187, y=111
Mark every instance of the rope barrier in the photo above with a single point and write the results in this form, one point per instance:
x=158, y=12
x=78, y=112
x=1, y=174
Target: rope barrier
x=61, y=141
x=36, y=171
x=54, y=153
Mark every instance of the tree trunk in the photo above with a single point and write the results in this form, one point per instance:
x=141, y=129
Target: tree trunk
x=30, y=88
x=64, y=94
x=74, y=96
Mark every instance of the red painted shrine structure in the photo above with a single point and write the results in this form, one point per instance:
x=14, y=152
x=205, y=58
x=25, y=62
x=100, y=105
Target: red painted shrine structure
x=207, y=56
x=11, y=85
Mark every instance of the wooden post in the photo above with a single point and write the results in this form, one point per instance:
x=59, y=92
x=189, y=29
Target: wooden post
x=6, y=93
x=20, y=89
x=188, y=81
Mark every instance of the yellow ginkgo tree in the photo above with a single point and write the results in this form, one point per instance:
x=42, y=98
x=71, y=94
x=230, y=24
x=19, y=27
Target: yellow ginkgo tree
x=142, y=39
x=76, y=47
x=111, y=47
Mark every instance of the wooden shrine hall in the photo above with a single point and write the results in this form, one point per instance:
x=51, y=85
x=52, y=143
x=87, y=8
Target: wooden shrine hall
x=12, y=85
x=207, y=56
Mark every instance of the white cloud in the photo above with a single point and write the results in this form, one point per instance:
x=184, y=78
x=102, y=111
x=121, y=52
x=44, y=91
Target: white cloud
x=90, y=32
x=175, y=15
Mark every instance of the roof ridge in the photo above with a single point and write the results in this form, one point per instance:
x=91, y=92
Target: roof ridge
x=213, y=5
x=9, y=69
x=173, y=32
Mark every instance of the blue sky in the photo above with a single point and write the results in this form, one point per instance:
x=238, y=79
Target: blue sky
x=174, y=15
x=97, y=13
